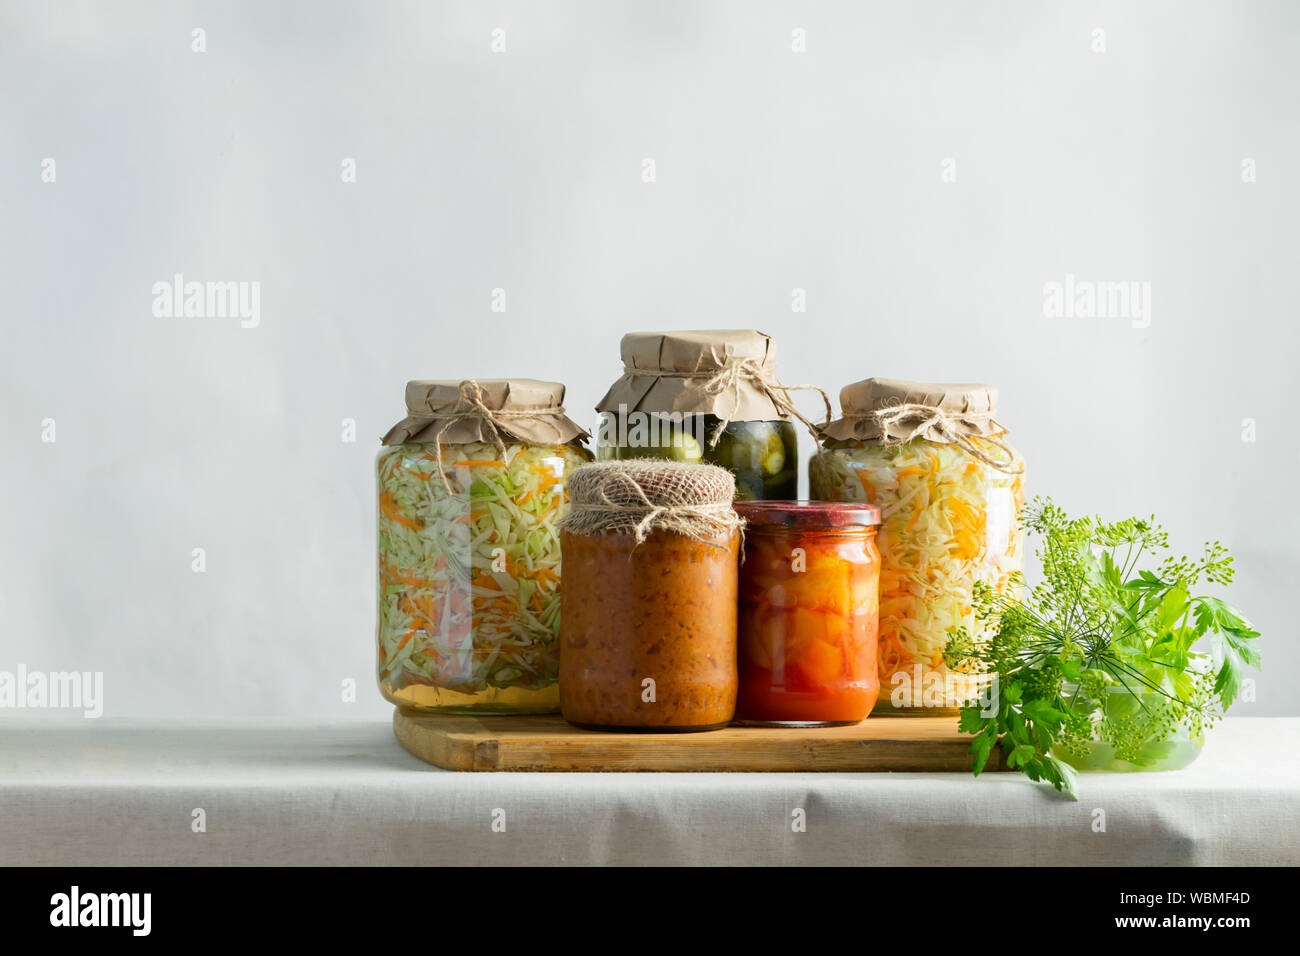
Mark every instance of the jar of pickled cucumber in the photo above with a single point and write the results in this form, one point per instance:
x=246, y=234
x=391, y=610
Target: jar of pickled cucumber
x=471, y=487
x=704, y=396
x=950, y=489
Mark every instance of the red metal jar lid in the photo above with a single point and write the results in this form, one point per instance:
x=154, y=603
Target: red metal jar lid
x=808, y=515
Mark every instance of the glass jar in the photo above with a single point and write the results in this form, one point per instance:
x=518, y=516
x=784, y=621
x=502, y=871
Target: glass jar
x=1158, y=733
x=469, y=572
x=808, y=613
x=949, y=519
x=1175, y=752
x=648, y=640
x=763, y=456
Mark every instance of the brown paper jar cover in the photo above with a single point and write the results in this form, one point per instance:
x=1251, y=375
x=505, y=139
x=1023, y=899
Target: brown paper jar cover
x=969, y=408
x=437, y=410
x=664, y=372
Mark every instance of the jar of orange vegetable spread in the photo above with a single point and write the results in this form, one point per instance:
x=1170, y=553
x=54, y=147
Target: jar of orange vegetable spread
x=950, y=490
x=648, y=608
x=471, y=489
x=808, y=613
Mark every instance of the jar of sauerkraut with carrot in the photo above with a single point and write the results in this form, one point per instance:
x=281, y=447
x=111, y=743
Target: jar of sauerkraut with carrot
x=950, y=488
x=471, y=485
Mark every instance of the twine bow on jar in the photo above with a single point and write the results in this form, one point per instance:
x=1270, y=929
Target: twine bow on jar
x=695, y=521
x=640, y=497
x=733, y=375
x=471, y=405
x=903, y=422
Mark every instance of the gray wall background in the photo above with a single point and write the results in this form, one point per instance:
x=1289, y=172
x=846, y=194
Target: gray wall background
x=522, y=171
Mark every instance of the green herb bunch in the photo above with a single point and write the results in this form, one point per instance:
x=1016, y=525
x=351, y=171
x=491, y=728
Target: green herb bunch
x=1101, y=651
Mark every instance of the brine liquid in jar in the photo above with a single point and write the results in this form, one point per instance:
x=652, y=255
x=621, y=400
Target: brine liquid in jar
x=763, y=456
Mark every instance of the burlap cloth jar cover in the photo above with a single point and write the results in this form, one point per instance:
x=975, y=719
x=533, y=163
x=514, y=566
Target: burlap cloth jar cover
x=639, y=497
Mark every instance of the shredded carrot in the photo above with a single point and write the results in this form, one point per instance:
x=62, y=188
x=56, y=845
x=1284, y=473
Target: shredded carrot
x=867, y=485
x=388, y=508
x=916, y=515
x=397, y=577
x=548, y=477
x=479, y=463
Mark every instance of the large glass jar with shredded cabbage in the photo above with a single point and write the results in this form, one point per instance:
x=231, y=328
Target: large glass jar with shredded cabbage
x=950, y=489
x=471, y=485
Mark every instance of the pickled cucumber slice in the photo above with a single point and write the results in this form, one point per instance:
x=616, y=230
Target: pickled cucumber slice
x=774, y=460
x=686, y=448
x=681, y=446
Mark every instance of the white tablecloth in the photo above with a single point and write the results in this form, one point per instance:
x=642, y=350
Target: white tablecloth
x=96, y=793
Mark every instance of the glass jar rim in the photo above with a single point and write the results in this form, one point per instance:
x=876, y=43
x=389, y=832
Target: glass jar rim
x=808, y=515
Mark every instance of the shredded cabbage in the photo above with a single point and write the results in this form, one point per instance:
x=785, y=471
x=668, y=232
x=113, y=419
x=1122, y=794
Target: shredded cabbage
x=469, y=581
x=948, y=520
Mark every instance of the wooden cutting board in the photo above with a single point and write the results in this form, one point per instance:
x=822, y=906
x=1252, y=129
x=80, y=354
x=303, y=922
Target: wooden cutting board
x=549, y=743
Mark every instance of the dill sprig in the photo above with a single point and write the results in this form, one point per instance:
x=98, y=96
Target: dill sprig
x=1103, y=650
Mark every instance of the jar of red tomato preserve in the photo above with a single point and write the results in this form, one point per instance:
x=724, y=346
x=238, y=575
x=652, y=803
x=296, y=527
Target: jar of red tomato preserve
x=809, y=613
